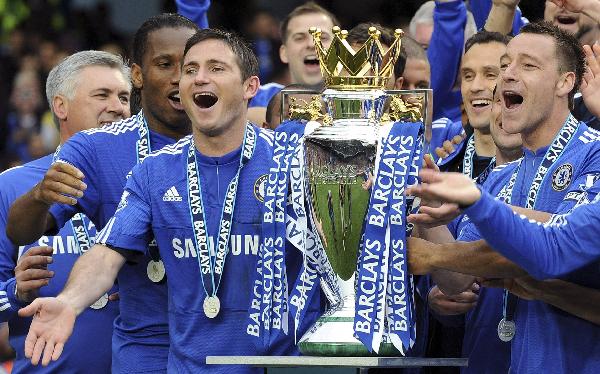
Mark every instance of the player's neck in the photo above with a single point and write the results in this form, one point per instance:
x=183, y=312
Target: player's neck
x=504, y=156
x=173, y=132
x=484, y=144
x=220, y=144
x=544, y=133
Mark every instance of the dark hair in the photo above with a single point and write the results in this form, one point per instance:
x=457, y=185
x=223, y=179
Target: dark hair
x=161, y=21
x=360, y=34
x=410, y=49
x=567, y=48
x=308, y=8
x=246, y=59
x=486, y=37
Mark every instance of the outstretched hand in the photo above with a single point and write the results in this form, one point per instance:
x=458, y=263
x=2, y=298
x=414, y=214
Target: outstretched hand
x=52, y=324
x=590, y=84
x=448, y=187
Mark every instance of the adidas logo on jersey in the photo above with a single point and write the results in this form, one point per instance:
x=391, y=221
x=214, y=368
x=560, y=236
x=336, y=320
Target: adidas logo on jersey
x=172, y=195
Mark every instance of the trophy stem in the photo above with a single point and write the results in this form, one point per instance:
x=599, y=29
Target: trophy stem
x=333, y=333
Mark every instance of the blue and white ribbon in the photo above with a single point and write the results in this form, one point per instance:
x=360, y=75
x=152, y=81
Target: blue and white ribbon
x=383, y=283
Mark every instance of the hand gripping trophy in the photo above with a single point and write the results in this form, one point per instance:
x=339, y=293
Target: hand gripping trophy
x=335, y=191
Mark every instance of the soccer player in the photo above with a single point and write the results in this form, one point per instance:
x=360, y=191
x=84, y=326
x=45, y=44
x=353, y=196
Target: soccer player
x=201, y=190
x=483, y=306
x=86, y=90
x=542, y=69
x=96, y=165
x=298, y=52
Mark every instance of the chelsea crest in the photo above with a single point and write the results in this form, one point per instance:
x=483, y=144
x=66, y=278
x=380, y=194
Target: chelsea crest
x=562, y=176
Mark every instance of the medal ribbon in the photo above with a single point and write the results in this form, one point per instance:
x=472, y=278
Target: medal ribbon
x=211, y=269
x=80, y=233
x=143, y=149
x=556, y=149
x=468, y=157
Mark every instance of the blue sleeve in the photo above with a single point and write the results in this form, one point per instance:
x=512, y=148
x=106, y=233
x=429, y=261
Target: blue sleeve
x=469, y=233
x=9, y=305
x=518, y=22
x=543, y=250
x=443, y=129
x=130, y=227
x=444, y=53
x=481, y=10
x=80, y=152
x=194, y=10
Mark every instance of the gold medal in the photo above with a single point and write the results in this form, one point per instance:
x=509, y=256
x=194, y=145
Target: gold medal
x=156, y=271
x=211, y=306
x=100, y=303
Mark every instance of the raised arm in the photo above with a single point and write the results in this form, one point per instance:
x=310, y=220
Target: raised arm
x=444, y=54
x=501, y=16
x=195, y=10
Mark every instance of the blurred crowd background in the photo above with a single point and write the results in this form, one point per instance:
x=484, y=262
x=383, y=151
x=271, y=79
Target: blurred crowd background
x=37, y=34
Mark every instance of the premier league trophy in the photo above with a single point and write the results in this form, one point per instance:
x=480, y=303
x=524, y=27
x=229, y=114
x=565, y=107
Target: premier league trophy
x=344, y=172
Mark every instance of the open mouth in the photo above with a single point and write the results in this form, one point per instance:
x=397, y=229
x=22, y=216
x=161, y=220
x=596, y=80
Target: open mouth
x=564, y=19
x=311, y=61
x=205, y=99
x=512, y=100
x=175, y=100
x=481, y=103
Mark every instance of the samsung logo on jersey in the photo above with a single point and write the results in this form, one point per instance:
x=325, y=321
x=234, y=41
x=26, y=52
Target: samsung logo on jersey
x=61, y=244
x=239, y=245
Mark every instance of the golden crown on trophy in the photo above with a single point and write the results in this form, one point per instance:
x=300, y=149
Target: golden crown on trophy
x=343, y=68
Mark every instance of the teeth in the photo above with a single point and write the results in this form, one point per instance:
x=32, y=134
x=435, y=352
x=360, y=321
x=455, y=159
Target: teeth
x=176, y=95
x=197, y=95
x=481, y=102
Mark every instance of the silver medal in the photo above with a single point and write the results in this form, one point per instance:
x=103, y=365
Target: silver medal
x=506, y=330
x=211, y=306
x=156, y=271
x=101, y=302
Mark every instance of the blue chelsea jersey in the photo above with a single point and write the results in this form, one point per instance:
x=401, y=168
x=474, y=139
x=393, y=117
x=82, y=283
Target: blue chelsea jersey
x=548, y=339
x=106, y=156
x=89, y=347
x=486, y=353
x=155, y=203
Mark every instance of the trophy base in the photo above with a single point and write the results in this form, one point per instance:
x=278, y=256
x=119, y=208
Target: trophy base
x=333, y=335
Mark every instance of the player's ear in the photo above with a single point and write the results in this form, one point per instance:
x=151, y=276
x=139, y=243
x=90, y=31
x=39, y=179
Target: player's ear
x=283, y=54
x=251, y=87
x=398, y=83
x=136, y=76
x=60, y=107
